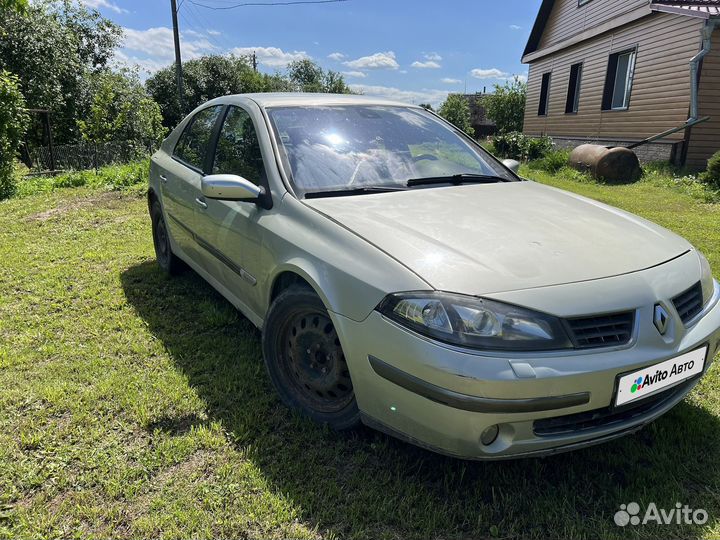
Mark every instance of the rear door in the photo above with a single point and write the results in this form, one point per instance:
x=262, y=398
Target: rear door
x=180, y=180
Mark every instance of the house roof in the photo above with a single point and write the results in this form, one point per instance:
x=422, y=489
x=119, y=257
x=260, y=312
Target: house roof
x=698, y=8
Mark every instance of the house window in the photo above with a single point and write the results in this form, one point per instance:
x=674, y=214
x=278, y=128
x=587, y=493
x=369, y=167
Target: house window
x=544, y=95
x=618, y=82
x=573, y=95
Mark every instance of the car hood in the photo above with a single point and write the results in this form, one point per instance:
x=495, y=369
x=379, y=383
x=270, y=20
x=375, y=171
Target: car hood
x=482, y=239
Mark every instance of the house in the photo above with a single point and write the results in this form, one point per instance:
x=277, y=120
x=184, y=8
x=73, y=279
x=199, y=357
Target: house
x=619, y=71
x=482, y=125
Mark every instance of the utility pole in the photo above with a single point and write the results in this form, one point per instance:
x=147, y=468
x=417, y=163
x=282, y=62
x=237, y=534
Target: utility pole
x=254, y=61
x=178, y=61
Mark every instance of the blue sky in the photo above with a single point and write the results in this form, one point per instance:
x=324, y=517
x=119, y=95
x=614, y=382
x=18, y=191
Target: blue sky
x=410, y=50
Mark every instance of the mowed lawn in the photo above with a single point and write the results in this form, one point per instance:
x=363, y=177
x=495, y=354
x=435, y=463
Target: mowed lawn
x=136, y=405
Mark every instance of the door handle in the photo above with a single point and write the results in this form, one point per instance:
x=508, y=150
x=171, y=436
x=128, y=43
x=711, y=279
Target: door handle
x=163, y=178
x=202, y=204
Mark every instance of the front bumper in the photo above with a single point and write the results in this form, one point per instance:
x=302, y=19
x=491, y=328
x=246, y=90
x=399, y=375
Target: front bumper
x=444, y=398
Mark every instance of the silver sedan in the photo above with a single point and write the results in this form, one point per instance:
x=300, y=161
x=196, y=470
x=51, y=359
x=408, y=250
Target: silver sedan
x=405, y=278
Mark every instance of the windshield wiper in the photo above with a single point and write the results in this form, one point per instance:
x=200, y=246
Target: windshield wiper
x=457, y=179
x=352, y=191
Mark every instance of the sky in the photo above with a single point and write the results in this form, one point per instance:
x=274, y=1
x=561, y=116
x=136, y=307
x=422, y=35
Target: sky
x=415, y=51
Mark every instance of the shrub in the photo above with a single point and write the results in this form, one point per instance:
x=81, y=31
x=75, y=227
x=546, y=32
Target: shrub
x=712, y=174
x=552, y=162
x=456, y=110
x=515, y=145
x=13, y=123
x=506, y=106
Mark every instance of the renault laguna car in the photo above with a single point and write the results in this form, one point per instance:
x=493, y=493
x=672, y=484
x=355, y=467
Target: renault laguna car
x=404, y=278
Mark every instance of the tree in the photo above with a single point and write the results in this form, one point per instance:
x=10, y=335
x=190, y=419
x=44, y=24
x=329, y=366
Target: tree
x=18, y=6
x=306, y=76
x=121, y=110
x=427, y=106
x=506, y=106
x=456, y=110
x=13, y=123
x=53, y=48
x=206, y=78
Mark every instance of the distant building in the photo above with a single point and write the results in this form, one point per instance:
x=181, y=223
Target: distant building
x=482, y=125
x=618, y=71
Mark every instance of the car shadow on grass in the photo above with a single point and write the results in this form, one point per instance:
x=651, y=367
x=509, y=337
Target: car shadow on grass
x=367, y=485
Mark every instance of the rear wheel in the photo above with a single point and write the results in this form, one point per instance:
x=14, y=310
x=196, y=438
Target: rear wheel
x=161, y=239
x=305, y=360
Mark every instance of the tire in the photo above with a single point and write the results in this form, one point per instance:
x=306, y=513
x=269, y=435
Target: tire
x=305, y=362
x=166, y=259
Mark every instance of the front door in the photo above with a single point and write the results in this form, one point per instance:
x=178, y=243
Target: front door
x=232, y=226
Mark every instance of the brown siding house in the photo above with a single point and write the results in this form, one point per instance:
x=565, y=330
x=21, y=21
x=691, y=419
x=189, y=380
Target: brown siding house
x=618, y=71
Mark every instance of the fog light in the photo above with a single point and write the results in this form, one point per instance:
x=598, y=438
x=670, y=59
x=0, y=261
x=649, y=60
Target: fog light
x=489, y=435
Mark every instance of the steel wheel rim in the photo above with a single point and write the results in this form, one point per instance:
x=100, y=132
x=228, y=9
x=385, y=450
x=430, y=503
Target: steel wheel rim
x=313, y=361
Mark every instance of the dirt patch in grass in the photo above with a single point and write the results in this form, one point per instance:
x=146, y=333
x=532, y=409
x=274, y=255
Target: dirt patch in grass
x=108, y=199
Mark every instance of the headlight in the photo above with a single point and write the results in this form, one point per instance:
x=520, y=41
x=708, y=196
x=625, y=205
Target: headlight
x=706, y=279
x=474, y=322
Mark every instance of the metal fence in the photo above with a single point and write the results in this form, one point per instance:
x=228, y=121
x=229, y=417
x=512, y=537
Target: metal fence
x=85, y=155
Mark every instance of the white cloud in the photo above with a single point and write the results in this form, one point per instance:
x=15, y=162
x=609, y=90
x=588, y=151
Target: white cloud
x=146, y=66
x=337, y=56
x=434, y=97
x=447, y=80
x=521, y=78
x=435, y=57
x=492, y=73
x=214, y=32
x=97, y=4
x=355, y=74
x=273, y=57
x=157, y=44
x=515, y=27
x=426, y=65
x=381, y=60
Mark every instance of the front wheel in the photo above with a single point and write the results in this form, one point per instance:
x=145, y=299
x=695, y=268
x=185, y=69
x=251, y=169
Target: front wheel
x=305, y=360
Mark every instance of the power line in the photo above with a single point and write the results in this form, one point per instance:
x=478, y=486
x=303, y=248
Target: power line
x=259, y=4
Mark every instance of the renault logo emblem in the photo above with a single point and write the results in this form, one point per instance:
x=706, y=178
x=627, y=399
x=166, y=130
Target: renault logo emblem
x=661, y=319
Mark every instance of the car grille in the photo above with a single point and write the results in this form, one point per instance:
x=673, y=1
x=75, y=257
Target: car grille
x=689, y=303
x=601, y=330
x=607, y=416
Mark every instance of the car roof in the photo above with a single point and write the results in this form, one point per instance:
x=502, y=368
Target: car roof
x=289, y=99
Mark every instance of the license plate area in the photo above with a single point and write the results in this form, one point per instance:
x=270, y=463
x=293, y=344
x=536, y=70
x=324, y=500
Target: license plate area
x=645, y=382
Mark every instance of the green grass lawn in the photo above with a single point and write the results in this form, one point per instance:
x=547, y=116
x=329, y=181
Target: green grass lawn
x=135, y=405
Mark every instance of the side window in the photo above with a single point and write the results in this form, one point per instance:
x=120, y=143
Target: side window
x=619, y=80
x=238, y=148
x=193, y=144
x=573, y=96
x=544, y=95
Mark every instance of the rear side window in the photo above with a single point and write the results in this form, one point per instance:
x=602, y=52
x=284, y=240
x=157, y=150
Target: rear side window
x=194, y=142
x=238, y=149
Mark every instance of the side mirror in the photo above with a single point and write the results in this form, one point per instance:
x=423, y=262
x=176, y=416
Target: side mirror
x=511, y=164
x=230, y=187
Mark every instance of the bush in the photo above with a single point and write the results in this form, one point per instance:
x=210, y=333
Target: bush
x=552, y=162
x=456, y=110
x=515, y=145
x=506, y=106
x=712, y=174
x=13, y=123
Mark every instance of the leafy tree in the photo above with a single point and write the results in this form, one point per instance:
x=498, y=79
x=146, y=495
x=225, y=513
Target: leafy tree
x=53, y=48
x=13, y=123
x=456, y=110
x=18, y=6
x=506, y=106
x=306, y=76
x=121, y=110
x=206, y=78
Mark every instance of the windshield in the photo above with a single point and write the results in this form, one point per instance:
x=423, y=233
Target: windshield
x=353, y=147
